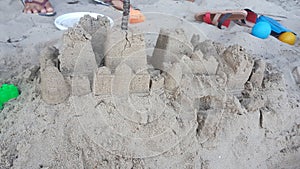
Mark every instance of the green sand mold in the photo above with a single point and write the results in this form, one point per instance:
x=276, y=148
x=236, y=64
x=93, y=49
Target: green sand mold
x=7, y=92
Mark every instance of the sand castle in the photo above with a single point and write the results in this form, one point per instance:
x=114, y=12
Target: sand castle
x=189, y=82
x=94, y=57
x=191, y=79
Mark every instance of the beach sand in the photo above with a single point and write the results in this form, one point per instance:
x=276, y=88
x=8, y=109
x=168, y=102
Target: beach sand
x=231, y=101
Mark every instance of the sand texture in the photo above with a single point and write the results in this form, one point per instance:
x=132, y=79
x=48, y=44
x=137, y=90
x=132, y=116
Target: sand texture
x=170, y=92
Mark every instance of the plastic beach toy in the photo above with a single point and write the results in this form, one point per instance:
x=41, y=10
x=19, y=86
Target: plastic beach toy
x=261, y=30
x=136, y=16
x=288, y=37
x=7, y=92
x=65, y=21
x=276, y=27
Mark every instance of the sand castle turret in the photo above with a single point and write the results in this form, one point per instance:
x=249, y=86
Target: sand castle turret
x=77, y=55
x=102, y=82
x=54, y=86
x=126, y=47
x=170, y=46
x=238, y=67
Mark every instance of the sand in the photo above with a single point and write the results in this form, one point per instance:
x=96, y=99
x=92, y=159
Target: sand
x=176, y=94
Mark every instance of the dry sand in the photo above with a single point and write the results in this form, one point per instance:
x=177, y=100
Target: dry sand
x=228, y=99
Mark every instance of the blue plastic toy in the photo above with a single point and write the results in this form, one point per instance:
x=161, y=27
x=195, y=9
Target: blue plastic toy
x=276, y=27
x=261, y=30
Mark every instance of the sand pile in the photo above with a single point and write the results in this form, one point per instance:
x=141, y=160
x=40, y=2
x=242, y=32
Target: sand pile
x=100, y=101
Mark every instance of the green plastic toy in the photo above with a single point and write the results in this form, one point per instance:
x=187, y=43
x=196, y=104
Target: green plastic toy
x=7, y=92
